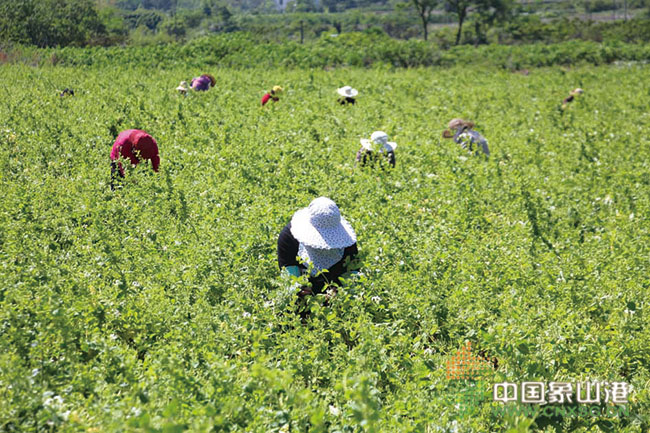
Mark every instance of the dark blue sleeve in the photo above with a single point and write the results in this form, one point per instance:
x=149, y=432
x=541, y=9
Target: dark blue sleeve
x=287, y=248
x=391, y=158
x=457, y=135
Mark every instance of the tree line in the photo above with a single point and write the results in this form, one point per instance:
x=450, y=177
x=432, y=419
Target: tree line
x=47, y=23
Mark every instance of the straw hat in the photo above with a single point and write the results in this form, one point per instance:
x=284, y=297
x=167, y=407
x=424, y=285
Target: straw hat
x=277, y=89
x=320, y=225
x=457, y=123
x=378, y=142
x=347, y=91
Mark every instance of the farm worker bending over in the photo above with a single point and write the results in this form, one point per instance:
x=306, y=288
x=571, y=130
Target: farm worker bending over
x=182, y=88
x=347, y=95
x=571, y=97
x=203, y=83
x=134, y=145
x=317, y=237
x=377, y=149
x=466, y=136
x=272, y=95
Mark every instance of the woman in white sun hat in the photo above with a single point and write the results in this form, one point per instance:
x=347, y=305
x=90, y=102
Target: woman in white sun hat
x=378, y=148
x=317, y=239
x=347, y=95
x=462, y=133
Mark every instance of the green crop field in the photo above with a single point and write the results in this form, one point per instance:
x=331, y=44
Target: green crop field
x=159, y=307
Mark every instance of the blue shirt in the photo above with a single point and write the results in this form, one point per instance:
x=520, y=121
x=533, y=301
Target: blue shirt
x=468, y=139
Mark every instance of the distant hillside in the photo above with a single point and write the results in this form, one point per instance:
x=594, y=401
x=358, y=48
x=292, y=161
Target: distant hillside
x=615, y=8
x=50, y=23
x=252, y=5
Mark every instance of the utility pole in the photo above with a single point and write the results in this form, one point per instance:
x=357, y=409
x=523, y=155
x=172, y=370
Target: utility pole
x=625, y=8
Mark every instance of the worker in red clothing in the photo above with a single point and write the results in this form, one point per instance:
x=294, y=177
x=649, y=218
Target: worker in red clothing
x=134, y=145
x=272, y=95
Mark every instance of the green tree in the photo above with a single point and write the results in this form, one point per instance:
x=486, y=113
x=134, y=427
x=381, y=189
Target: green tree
x=114, y=24
x=174, y=27
x=489, y=12
x=49, y=22
x=146, y=4
x=425, y=10
x=219, y=16
x=304, y=6
x=460, y=8
x=16, y=20
x=144, y=18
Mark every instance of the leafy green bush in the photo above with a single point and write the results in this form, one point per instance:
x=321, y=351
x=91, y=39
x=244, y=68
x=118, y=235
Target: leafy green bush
x=237, y=50
x=529, y=29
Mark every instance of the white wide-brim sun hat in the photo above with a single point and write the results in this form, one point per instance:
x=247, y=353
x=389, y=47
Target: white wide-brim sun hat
x=347, y=91
x=320, y=225
x=378, y=138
